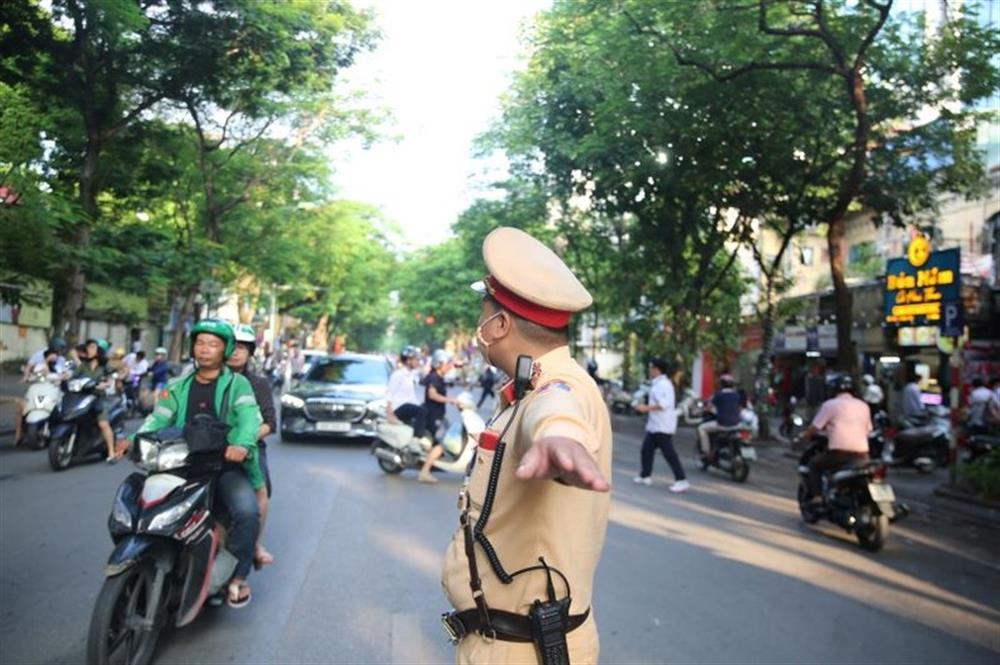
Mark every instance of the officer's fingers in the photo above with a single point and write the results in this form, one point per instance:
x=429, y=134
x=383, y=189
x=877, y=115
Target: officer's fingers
x=588, y=475
x=533, y=464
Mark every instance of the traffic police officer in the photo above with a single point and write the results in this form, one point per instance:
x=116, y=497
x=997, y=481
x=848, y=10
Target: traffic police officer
x=535, y=504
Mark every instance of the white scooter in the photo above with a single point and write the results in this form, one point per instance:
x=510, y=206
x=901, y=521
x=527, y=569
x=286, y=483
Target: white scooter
x=41, y=399
x=396, y=449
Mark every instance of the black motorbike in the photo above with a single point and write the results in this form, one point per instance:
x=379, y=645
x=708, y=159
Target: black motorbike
x=877, y=437
x=730, y=451
x=923, y=445
x=170, y=553
x=855, y=497
x=74, y=434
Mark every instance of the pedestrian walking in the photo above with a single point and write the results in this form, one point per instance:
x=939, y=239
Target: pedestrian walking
x=520, y=568
x=661, y=424
x=487, y=381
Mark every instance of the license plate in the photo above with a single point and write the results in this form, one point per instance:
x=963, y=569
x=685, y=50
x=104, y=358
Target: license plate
x=748, y=453
x=880, y=492
x=332, y=426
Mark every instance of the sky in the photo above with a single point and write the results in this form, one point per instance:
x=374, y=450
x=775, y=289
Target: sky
x=440, y=68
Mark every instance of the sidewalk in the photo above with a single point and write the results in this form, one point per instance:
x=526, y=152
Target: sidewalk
x=11, y=388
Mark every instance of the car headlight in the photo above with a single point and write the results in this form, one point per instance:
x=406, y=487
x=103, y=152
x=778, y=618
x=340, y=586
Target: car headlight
x=292, y=401
x=172, y=456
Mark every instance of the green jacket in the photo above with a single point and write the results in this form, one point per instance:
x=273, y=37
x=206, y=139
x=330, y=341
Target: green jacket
x=243, y=418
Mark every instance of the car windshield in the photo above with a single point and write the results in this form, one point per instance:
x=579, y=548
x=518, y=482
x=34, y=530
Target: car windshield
x=353, y=371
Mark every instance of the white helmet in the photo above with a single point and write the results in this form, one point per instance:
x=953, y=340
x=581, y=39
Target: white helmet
x=440, y=357
x=868, y=379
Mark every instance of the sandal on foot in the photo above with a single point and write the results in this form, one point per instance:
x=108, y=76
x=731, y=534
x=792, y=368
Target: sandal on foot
x=236, y=598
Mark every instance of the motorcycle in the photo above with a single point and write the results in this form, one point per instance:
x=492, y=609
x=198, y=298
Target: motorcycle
x=73, y=431
x=877, y=437
x=40, y=400
x=170, y=553
x=730, y=451
x=856, y=498
x=923, y=446
x=396, y=449
x=691, y=408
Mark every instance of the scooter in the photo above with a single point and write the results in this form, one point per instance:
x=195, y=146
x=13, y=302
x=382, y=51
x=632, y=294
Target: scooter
x=40, y=400
x=170, y=553
x=855, y=497
x=923, y=446
x=731, y=451
x=396, y=449
x=74, y=434
x=692, y=408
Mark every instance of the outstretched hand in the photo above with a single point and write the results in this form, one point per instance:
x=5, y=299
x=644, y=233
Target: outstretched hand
x=564, y=459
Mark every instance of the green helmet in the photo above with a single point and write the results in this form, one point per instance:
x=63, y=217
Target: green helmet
x=220, y=329
x=245, y=335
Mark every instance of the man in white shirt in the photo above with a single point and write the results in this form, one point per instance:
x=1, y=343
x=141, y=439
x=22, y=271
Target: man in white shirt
x=660, y=426
x=983, y=408
x=401, y=395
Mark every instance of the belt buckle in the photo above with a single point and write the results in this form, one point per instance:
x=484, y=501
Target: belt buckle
x=455, y=635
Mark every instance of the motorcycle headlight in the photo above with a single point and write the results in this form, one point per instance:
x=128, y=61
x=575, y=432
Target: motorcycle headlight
x=797, y=421
x=77, y=385
x=172, y=456
x=292, y=401
x=171, y=515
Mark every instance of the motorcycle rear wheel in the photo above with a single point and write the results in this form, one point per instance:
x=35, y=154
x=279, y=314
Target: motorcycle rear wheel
x=122, y=603
x=739, y=469
x=873, y=537
x=61, y=452
x=389, y=467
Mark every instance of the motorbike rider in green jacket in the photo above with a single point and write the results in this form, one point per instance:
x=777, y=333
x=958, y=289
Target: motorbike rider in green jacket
x=204, y=391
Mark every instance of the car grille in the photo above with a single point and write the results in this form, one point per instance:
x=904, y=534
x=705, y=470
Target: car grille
x=326, y=409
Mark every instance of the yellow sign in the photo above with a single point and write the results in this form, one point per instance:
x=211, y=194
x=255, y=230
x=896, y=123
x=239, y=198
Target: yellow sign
x=919, y=250
x=917, y=286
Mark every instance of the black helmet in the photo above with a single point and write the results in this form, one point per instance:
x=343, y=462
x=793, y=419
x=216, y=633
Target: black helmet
x=58, y=344
x=727, y=381
x=409, y=351
x=844, y=384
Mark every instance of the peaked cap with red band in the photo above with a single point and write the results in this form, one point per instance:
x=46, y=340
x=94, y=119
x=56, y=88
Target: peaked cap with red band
x=527, y=278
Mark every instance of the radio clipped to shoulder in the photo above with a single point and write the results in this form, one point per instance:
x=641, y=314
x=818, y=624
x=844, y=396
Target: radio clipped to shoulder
x=523, y=374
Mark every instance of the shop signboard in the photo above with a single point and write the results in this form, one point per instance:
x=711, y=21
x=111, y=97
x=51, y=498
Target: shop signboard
x=827, y=336
x=923, y=286
x=796, y=339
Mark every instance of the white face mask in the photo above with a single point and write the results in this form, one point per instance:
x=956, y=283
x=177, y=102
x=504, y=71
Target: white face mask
x=481, y=343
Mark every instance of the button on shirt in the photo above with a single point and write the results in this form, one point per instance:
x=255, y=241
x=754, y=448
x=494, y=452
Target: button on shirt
x=847, y=422
x=661, y=393
x=402, y=388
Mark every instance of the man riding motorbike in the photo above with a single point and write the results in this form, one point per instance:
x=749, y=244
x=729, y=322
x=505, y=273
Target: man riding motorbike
x=726, y=404
x=239, y=362
x=198, y=400
x=401, y=395
x=846, y=420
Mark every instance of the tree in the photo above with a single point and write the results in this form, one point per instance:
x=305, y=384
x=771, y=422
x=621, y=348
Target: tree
x=875, y=75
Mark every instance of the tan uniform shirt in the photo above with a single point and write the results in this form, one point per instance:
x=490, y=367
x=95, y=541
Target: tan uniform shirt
x=565, y=525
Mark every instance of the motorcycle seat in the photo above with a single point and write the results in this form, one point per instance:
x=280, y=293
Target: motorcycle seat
x=849, y=472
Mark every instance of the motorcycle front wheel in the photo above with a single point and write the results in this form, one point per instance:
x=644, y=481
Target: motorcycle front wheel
x=61, y=452
x=124, y=627
x=809, y=516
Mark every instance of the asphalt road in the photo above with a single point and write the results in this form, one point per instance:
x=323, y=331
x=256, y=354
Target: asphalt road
x=725, y=573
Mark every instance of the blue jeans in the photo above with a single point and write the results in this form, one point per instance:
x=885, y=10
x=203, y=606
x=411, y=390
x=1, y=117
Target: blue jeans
x=236, y=494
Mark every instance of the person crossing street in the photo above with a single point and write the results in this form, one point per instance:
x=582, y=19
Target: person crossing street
x=661, y=425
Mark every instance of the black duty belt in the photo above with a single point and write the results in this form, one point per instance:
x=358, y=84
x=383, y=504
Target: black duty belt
x=506, y=626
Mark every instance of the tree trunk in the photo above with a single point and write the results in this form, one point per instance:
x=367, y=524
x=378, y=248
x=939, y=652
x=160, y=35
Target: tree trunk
x=176, y=351
x=763, y=366
x=842, y=296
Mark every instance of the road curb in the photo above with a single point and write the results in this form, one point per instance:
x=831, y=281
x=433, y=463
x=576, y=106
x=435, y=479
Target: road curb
x=955, y=501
